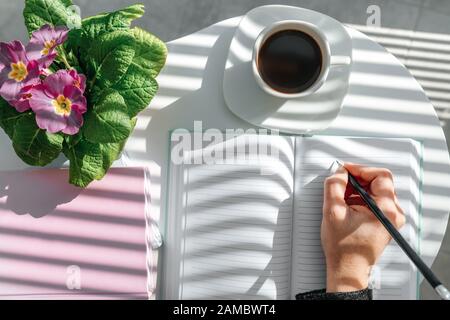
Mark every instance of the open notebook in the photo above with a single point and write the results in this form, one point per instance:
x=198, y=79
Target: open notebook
x=249, y=227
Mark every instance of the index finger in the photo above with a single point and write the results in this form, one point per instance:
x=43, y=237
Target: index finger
x=334, y=193
x=367, y=174
x=381, y=180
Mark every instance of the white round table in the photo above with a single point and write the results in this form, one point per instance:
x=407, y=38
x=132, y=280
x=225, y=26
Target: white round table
x=383, y=100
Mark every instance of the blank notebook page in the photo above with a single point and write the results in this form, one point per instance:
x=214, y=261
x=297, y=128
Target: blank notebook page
x=237, y=232
x=394, y=276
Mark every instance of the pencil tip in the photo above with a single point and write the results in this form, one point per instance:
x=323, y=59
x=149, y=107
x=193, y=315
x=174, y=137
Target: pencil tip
x=335, y=165
x=339, y=163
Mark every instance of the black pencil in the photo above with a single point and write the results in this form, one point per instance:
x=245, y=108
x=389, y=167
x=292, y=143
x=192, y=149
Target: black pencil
x=404, y=245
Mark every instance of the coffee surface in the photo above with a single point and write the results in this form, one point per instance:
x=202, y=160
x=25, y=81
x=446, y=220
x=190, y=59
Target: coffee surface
x=290, y=61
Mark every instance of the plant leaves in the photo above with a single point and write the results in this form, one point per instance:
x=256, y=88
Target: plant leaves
x=86, y=163
x=106, y=22
x=9, y=117
x=91, y=161
x=39, y=12
x=110, y=153
x=137, y=88
x=138, y=85
x=120, y=64
x=110, y=58
x=150, y=52
x=108, y=121
x=72, y=140
x=35, y=146
x=81, y=40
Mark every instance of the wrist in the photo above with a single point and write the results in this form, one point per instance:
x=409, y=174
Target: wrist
x=347, y=276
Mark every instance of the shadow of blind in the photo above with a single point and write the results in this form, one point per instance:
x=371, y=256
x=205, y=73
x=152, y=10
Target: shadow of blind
x=426, y=56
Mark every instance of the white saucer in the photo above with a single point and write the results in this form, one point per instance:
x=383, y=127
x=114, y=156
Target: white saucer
x=303, y=115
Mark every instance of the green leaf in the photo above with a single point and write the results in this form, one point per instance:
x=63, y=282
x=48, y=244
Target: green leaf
x=73, y=139
x=108, y=121
x=110, y=153
x=138, y=85
x=110, y=58
x=81, y=40
x=86, y=163
x=40, y=12
x=150, y=52
x=73, y=43
x=69, y=57
x=35, y=146
x=137, y=88
x=91, y=161
x=9, y=117
x=106, y=22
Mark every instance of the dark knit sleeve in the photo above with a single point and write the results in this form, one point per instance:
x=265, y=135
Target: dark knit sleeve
x=365, y=294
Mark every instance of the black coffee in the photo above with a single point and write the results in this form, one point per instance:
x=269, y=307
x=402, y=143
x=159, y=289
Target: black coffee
x=290, y=61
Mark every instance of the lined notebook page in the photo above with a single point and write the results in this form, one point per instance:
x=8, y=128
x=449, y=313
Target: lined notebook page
x=394, y=277
x=238, y=225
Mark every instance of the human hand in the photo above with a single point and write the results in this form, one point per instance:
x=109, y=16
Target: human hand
x=352, y=237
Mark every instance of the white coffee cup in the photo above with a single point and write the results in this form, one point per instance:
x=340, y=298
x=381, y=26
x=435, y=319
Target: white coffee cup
x=319, y=37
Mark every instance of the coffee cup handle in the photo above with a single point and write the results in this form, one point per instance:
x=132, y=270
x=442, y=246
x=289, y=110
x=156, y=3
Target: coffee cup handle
x=340, y=60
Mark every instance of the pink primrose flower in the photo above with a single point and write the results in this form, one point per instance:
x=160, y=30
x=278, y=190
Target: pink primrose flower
x=58, y=103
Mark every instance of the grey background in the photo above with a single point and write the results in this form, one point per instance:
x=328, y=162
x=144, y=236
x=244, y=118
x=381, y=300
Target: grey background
x=171, y=19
